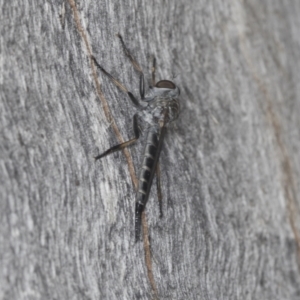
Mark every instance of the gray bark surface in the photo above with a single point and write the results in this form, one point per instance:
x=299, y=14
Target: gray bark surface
x=230, y=165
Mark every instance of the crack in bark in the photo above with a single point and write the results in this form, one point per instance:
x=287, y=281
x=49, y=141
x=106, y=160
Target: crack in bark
x=128, y=157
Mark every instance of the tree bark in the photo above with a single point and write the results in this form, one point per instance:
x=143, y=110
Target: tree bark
x=230, y=166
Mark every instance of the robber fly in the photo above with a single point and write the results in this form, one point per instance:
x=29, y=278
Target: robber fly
x=158, y=107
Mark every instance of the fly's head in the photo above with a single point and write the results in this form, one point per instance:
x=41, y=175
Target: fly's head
x=162, y=89
x=167, y=89
x=162, y=103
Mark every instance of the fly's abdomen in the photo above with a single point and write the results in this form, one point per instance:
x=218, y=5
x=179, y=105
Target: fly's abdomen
x=146, y=176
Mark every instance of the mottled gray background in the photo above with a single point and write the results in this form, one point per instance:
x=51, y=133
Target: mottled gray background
x=230, y=165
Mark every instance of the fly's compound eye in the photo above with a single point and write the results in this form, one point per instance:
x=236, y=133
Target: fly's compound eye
x=165, y=84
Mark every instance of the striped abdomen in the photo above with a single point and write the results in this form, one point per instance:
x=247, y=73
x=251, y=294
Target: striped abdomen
x=151, y=155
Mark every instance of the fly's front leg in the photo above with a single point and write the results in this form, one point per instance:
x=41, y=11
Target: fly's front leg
x=135, y=65
x=136, y=130
x=117, y=83
x=159, y=193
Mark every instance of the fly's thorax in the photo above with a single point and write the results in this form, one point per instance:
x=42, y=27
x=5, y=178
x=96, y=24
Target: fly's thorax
x=173, y=109
x=162, y=110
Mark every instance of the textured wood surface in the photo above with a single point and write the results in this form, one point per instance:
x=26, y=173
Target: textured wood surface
x=230, y=165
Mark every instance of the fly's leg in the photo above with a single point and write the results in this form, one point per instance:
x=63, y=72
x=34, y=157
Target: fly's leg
x=159, y=193
x=117, y=83
x=136, y=130
x=135, y=65
x=153, y=71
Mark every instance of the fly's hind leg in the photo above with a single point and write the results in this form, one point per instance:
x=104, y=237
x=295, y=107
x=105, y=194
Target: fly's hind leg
x=135, y=65
x=119, y=147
